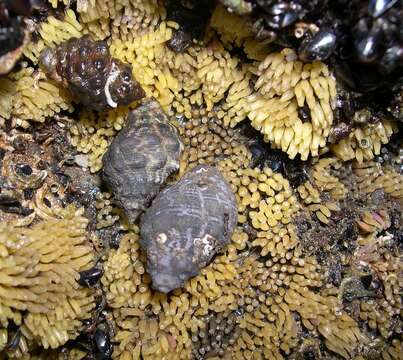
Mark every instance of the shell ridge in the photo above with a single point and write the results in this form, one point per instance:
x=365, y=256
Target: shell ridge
x=195, y=216
x=139, y=160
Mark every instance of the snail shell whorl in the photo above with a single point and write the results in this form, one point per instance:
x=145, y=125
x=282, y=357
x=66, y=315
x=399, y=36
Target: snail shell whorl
x=86, y=68
x=141, y=157
x=186, y=225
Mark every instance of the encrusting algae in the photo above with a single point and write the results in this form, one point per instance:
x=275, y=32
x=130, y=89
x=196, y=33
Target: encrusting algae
x=270, y=294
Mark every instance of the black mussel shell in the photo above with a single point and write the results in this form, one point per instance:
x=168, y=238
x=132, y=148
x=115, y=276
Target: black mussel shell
x=319, y=47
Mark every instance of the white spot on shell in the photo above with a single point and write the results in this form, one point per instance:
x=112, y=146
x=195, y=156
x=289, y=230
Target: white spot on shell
x=205, y=244
x=200, y=171
x=161, y=238
x=114, y=73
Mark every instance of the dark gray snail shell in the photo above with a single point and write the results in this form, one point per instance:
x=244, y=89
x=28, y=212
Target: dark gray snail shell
x=186, y=225
x=93, y=76
x=141, y=157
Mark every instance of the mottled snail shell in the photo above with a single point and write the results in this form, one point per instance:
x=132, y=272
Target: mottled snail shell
x=186, y=225
x=141, y=157
x=92, y=75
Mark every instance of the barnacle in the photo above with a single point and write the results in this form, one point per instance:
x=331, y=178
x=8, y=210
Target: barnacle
x=38, y=284
x=21, y=175
x=364, y=143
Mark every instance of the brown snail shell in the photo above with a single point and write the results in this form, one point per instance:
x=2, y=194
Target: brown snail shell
x=141, y=157
x=186, y=225
x=93, y=76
